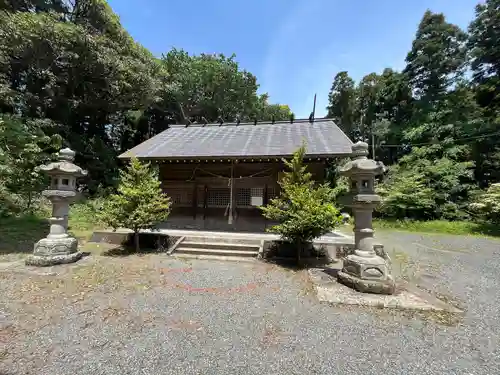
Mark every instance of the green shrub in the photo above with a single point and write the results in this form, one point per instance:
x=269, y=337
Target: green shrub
x=423, y=190
x=85, y=214
x=139, y=203
x=304, y=211
x=487, y=204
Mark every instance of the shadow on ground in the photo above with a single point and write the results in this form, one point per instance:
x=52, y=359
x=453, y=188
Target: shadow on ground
x=123, y=251
x=122, y=244
x=486, y=229
x=284, y=254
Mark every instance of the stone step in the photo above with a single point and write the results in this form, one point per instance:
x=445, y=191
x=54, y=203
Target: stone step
x=222, y=240
x=218, y=252
x=220, y=246
x=214, y=257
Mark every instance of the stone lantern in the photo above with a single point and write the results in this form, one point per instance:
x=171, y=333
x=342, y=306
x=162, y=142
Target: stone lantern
x=364, y=269
x=59, y=247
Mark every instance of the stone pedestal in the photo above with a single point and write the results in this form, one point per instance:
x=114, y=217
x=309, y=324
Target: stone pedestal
x=52, y=251
x=367, y=274
x=59, y=247
x=364, y=270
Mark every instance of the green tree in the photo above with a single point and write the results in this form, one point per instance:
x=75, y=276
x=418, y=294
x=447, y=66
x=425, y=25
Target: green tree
x=341, y=104
x=484, y=46
x=304, y=211
x=441, y=187
x=60, y=70
x=393, y=111
x=437, y=57
x=264, y=111
x=434, y=68
x=406, y=194
x=24, y=145
x=34, y=5
x=367, y=104
x=484, y=35
x=139, y=203
x=209, y=86
x=442, y=110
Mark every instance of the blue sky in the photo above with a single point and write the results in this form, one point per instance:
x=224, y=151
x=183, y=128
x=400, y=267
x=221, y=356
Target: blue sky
x=294, y=47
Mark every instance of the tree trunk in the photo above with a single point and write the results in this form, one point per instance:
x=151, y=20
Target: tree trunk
x=28, y=205
x=299, y=251
x=136, y=241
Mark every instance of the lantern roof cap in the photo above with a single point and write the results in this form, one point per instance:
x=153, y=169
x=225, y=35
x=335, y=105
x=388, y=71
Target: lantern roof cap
x=67, y=154
x=359, y=149
x=361, y=164
x=64, y=165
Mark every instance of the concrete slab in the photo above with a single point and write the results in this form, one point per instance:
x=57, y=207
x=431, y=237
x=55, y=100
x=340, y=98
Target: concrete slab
x=333, y=237
x=334, y=243
x=329, y=290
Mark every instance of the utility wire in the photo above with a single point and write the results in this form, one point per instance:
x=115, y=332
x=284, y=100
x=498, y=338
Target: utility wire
x=431, y=143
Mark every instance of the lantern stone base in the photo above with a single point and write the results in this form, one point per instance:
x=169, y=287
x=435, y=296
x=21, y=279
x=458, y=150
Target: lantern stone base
x=367, y=286
x=367, y=274
x=47, y=261
x=53, y=251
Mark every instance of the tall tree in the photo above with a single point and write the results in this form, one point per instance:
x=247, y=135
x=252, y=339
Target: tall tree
x=393, y=111
x=484, y=35
x=434, y=67
x=484, y=45
x=437, y=57
x=342, y=102
x=55, y=69
x=373, y=125
x=208, y=86
x=434, y=70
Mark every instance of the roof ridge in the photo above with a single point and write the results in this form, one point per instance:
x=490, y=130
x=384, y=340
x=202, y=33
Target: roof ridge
x=216, y=124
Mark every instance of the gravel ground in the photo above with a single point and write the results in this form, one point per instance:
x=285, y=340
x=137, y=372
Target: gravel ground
x=157, y=315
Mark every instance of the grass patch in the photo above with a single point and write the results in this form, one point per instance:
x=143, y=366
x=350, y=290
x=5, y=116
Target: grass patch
x=18, y=234
x=463, y=228
x=83, y=217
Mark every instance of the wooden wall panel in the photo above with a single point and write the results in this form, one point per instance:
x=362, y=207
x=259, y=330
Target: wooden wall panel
x=216, y=174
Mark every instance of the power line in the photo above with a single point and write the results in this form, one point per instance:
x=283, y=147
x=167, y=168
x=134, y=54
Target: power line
x=431, y=143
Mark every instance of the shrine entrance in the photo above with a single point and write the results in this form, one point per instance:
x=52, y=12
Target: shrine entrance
x=221, y=196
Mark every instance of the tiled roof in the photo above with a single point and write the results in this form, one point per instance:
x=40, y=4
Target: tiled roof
x=322, y=137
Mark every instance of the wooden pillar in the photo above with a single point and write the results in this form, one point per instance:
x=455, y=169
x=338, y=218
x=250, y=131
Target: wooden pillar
x=325, y=170
x=231, y=196
x=195, y=200
x=264, y=203
x=205, y=198
x=277, y=171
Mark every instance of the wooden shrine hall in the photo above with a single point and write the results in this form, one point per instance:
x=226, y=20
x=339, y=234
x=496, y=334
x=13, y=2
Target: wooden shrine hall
x=218, y=175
